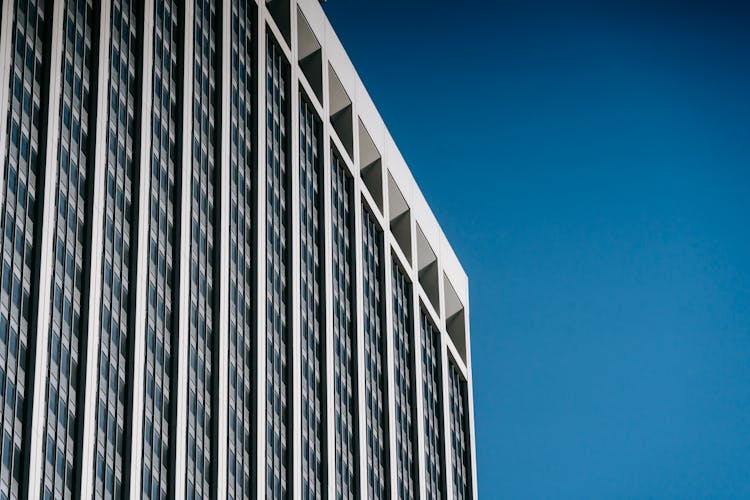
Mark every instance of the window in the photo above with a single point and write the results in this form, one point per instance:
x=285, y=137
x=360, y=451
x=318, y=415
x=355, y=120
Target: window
x=277, y=112
x=64, y=335
x=159, y=337
x=310, y=138
x=343, y=330
x=432, y=403
x=372, y=271
x=459, y=434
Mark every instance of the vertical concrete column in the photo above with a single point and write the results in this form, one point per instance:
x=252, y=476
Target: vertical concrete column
x=183, y=317
x=328, y=373
x=142, y=243
x=441, y=383
x=261, y=259
x=295, y=301
x=446, y=426
x=358, y=284
x=329, y=441
x=6, y=31
x=470, y=403
x=419, y=459
x=416, y=339
x=222, y=370
x=143, y=194
x=389, y=356
x=356, y=181
x=46, y=244
x=94, y=257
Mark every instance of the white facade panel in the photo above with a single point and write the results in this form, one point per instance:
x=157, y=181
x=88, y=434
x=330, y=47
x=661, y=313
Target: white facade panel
x=345, y=110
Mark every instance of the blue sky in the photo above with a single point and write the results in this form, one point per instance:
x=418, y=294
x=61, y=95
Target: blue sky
x=590, y=163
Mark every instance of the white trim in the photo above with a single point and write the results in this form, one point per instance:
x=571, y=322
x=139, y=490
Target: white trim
x=325, y=184
x=359, y=333
x=416, y=359
x=470, y=407
x=293, y=268
x=446, y=427
x=183, y=322
x=225, y=188
x=143, y=193
x=261, y=344
x=390, y=384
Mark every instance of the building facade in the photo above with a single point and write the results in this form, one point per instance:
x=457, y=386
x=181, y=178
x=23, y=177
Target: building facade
x=219, y=278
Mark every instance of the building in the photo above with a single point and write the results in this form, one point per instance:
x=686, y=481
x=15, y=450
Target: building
x=219, y=277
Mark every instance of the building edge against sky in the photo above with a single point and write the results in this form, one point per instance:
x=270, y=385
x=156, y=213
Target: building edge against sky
x=59, y=94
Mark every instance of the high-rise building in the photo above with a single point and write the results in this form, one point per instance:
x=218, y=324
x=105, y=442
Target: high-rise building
x=219, y=278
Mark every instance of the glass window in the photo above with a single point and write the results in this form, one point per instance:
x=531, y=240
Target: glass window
x=343, y=330
x=277, y=111
x=310, y=139
x=372, y=271
x=459, y=434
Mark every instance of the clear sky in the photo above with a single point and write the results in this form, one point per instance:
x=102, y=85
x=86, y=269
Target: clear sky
x=590, y=164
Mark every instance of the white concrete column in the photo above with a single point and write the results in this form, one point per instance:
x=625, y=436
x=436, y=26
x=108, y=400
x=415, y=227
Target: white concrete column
x=261, y=344
x=94, y=258
x=416, y=359
x=224, y=167
x=419, y=459
x=293, y=269
x=6, y=31
x=140, y=285
x=440, y=385
x=388, y=334
x=390, y=362
x=46, y=244
x=183, y=319
x=328, y=356
x=356, y=268
x=358, y=283
x=470, y=403
x=446, y=426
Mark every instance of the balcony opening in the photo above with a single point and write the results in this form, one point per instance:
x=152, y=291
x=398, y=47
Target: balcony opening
x=340, y=111
x=370, y=166
x=455, y=318
x=427, y=267
x=310, y=55
x=400, y=217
